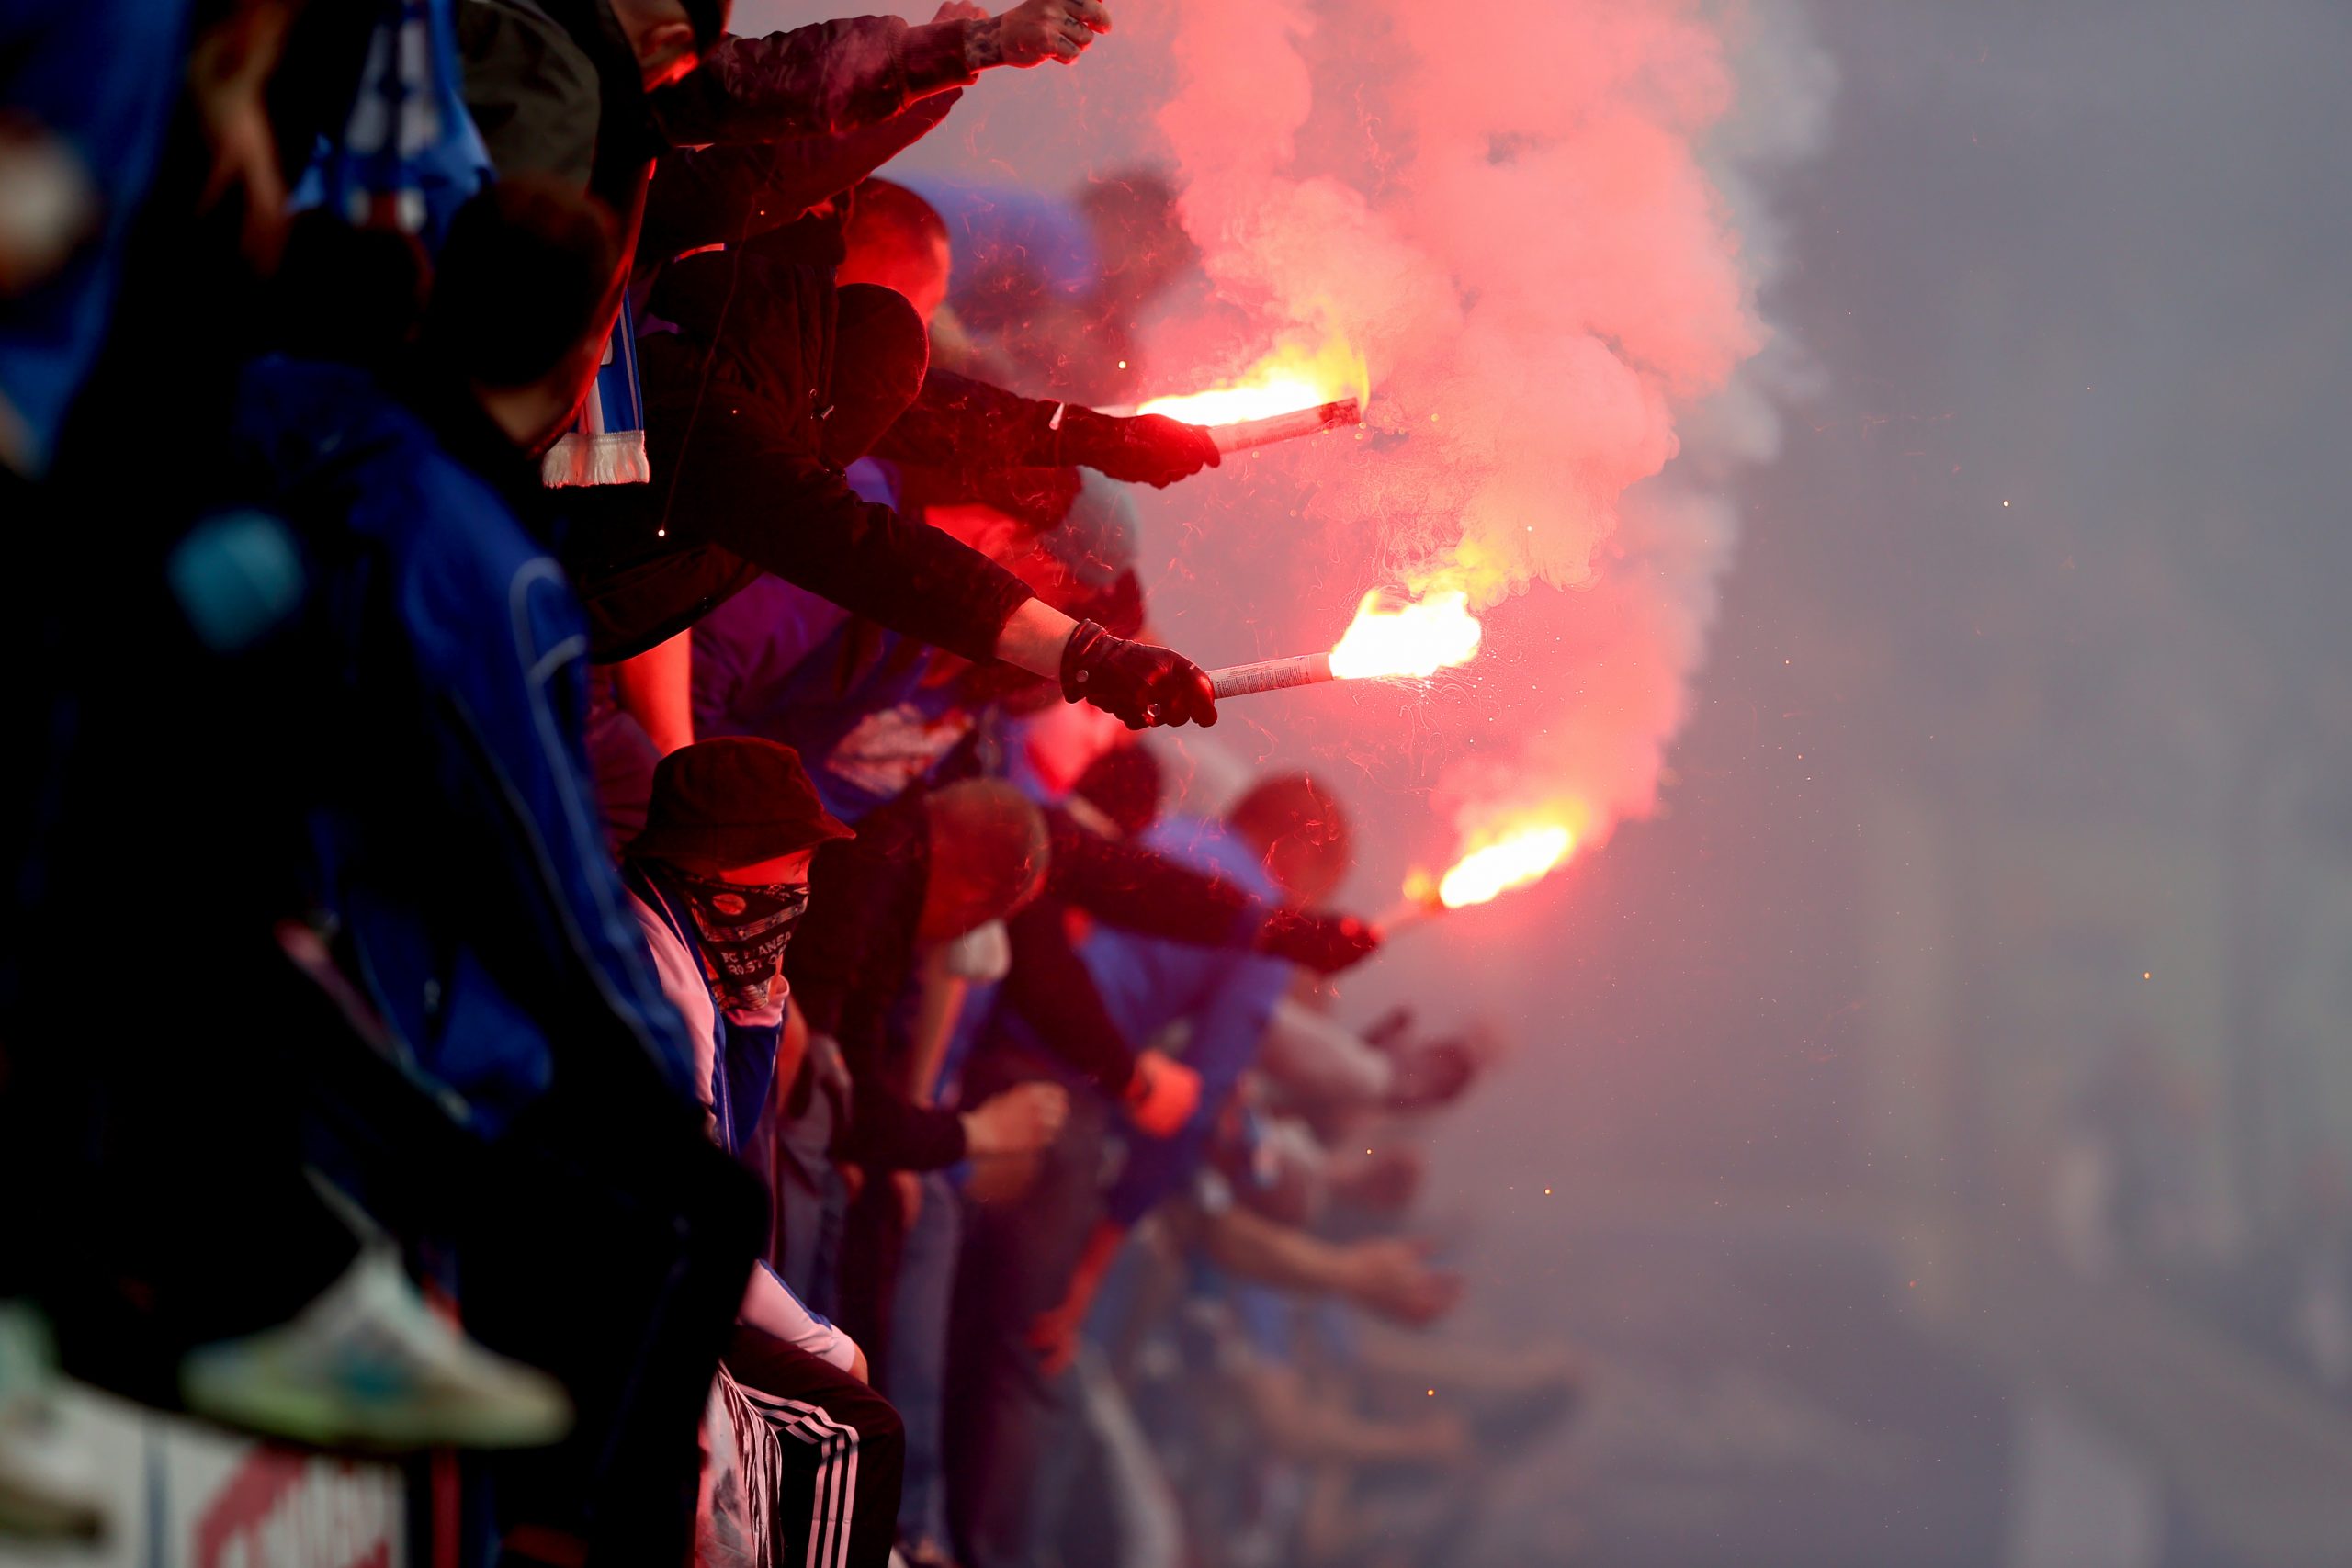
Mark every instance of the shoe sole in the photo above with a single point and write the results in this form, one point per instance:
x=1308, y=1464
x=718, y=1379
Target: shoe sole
x=331, y=1424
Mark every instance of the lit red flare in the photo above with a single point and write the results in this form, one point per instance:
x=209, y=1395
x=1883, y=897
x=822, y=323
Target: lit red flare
x=1527, y=854
x=1287, y=381
x=1416, y=638
x=1493, y=864
x=1248, y=433
x=1271, y=675
x=1231, y=405
x=1405, y=641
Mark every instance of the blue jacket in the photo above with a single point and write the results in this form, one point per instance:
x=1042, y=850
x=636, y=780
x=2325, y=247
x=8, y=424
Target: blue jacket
x=993, y=228
x=779, y=662
x=862, y=711
x=101, y=75
x=454, y=828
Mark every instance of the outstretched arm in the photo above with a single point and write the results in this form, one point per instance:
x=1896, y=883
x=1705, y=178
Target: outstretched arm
x=1387, y=1274
x=959, y=422
x=838, y=76
x=656, y=687
x=726, y=194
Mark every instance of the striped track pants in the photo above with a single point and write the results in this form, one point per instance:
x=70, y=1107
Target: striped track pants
x=820, y=1456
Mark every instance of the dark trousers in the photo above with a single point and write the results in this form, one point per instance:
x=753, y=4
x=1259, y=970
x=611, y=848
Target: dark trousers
x=1019, y=1257
x=841, y=1454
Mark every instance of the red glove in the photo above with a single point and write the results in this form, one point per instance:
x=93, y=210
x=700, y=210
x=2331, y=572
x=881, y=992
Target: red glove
x=1163, y=1095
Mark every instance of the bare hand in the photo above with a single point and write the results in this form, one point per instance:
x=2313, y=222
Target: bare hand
x=1037, y=30
x=1385, y=1181
x=47, y=205
x=1392, y=1277
x=1021, y=1120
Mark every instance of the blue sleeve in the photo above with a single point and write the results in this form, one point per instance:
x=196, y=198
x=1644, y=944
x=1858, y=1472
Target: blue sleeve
x=746, y=652
x=1226, y=1034
x=995, y=228
x=520, y=707
x=102, y=76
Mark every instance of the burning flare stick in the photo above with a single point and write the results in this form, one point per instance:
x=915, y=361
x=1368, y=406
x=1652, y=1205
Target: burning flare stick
x=1405, y=642
x=1245, y=433
x=1408, y=912
x=1271, y=675
x=1516, y=858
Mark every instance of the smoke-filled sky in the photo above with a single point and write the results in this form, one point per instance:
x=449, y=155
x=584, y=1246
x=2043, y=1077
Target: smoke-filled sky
x=1549, y=256
x=1540, y=251
x=2085, y=260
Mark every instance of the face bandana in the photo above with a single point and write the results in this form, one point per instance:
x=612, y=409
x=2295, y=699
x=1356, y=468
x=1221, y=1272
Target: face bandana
x=745, y=929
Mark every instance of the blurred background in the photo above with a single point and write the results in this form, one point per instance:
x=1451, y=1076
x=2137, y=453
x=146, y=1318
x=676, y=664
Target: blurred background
x=1932, y=1129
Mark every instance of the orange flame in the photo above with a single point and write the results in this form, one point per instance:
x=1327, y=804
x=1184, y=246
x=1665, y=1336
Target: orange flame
x=1416, y=638
x=1290, y=378
x=1513, y=858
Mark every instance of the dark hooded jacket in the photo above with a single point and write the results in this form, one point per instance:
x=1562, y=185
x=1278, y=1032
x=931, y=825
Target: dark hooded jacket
x=737, y=404
x=555, y=89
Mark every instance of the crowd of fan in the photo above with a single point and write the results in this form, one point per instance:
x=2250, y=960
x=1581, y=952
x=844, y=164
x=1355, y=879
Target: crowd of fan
x=584, y=886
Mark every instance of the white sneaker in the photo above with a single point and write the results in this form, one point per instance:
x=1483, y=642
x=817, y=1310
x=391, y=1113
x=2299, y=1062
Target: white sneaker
x=48, y=1482
x=369, y=1365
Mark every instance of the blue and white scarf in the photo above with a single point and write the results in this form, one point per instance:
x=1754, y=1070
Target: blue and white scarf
x=606, y=447
x=409, y=155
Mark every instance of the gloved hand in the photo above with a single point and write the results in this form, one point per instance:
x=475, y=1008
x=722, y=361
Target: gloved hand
x=1323, y=943
x=1163, y=1095
x=1150, y=449
x=1135, y=683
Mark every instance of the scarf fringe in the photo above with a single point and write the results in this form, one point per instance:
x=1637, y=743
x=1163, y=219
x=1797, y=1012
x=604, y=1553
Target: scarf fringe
x=616, y=458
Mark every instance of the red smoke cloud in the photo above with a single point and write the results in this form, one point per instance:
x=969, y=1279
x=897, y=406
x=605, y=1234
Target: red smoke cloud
x=1531, y=217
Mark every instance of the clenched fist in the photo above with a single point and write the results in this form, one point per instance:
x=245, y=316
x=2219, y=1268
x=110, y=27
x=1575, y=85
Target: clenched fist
x=1036, y=31
x=1137, y=683
x=1021, y=1120
x=1391, y=1275
x=1150, y=449
x=1324, y=942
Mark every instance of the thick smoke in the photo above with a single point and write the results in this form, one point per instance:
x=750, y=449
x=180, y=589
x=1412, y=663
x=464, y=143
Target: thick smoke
x=1536, y=219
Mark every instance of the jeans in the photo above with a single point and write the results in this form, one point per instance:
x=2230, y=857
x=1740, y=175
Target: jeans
x=917, y=1377
x=810, y=1199
x=1018, y=1260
